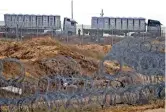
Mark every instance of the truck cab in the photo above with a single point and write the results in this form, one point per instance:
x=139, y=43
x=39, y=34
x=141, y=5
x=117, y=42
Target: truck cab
x=154, y=27
x=69, y=26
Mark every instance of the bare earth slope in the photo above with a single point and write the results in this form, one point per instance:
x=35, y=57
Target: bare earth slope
x=34, y=51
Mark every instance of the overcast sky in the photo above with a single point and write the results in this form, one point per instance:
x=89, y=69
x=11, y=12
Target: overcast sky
x=85, y=9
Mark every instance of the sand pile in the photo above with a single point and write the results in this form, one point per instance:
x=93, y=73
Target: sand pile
x=36, y=54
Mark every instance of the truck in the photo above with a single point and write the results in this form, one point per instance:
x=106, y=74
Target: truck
x=123, y=26
x=18, y=25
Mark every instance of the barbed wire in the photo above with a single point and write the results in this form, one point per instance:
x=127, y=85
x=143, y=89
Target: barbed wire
x=71, y=89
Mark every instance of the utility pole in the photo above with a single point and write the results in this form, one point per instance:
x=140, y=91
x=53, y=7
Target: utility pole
x=52, y=32
x=82, y=34
x=102, y=13
x=72, y=9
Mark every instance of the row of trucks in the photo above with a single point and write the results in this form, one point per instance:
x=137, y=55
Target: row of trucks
x=19, y=25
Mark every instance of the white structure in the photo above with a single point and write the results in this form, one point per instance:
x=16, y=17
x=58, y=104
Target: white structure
x=26, y=22
x=12, y=89
x=94, y=22
x=39, y=21
x=13, y=21
x=112, y=23
x=136, y=24
x=2, y=23
x=20, y=19
x=130, y=24
x=32, y=21
x=142, y=24
x=117, y=23
x=124, y=24
x=106, y=23
x=100, y=22
x=69, y=26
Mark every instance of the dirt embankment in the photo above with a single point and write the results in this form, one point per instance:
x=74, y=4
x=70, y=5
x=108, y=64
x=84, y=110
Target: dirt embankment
x=34, y=52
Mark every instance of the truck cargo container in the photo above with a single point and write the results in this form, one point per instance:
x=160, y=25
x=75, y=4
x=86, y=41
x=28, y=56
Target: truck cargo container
x=142, y=25
x=8, y=20
x=51, y=21
x=136, y=24
x=35, y=24
x=27, y=20
x=45, y=21
x=100, y=22
x=33, y=21
x=39, y=21
x=118, y=24
x=124, y=24
x=130, y=24
x=112, y=23
x=57, y=22
x=106, y=23
x=20, y=19
x=14, y=21
x=94, y=22
x=121, y=26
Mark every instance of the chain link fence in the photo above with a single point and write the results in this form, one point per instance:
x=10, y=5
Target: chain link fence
x=84, y=34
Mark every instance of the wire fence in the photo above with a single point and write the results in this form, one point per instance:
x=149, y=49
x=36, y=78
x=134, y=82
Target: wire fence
x=70, y=89
x=84, y=34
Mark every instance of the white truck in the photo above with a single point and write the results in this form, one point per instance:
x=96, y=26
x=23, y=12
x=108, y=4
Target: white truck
x=18, y=25
x=68, y=28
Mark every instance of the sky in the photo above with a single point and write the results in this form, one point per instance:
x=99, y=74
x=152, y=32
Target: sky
x=85, y=9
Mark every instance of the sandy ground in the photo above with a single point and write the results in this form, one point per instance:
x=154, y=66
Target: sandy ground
x=155, y=110
x=32, y=52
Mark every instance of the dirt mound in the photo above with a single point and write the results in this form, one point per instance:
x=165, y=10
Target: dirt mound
x=29, y=49
x=60, y=65
x=41, y=55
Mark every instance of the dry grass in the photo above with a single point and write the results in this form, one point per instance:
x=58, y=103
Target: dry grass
x=138, y=108
x=154, y=105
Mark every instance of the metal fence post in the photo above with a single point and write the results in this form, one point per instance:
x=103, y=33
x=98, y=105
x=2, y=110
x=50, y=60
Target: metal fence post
x=37, y=31
x=6, y=32
x=17, y=32
x=82, y=34
x=52, y=32
x=112, y=38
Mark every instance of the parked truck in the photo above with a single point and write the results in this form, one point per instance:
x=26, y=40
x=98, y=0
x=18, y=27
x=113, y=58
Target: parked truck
x=19, y=25
x=123, y=26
